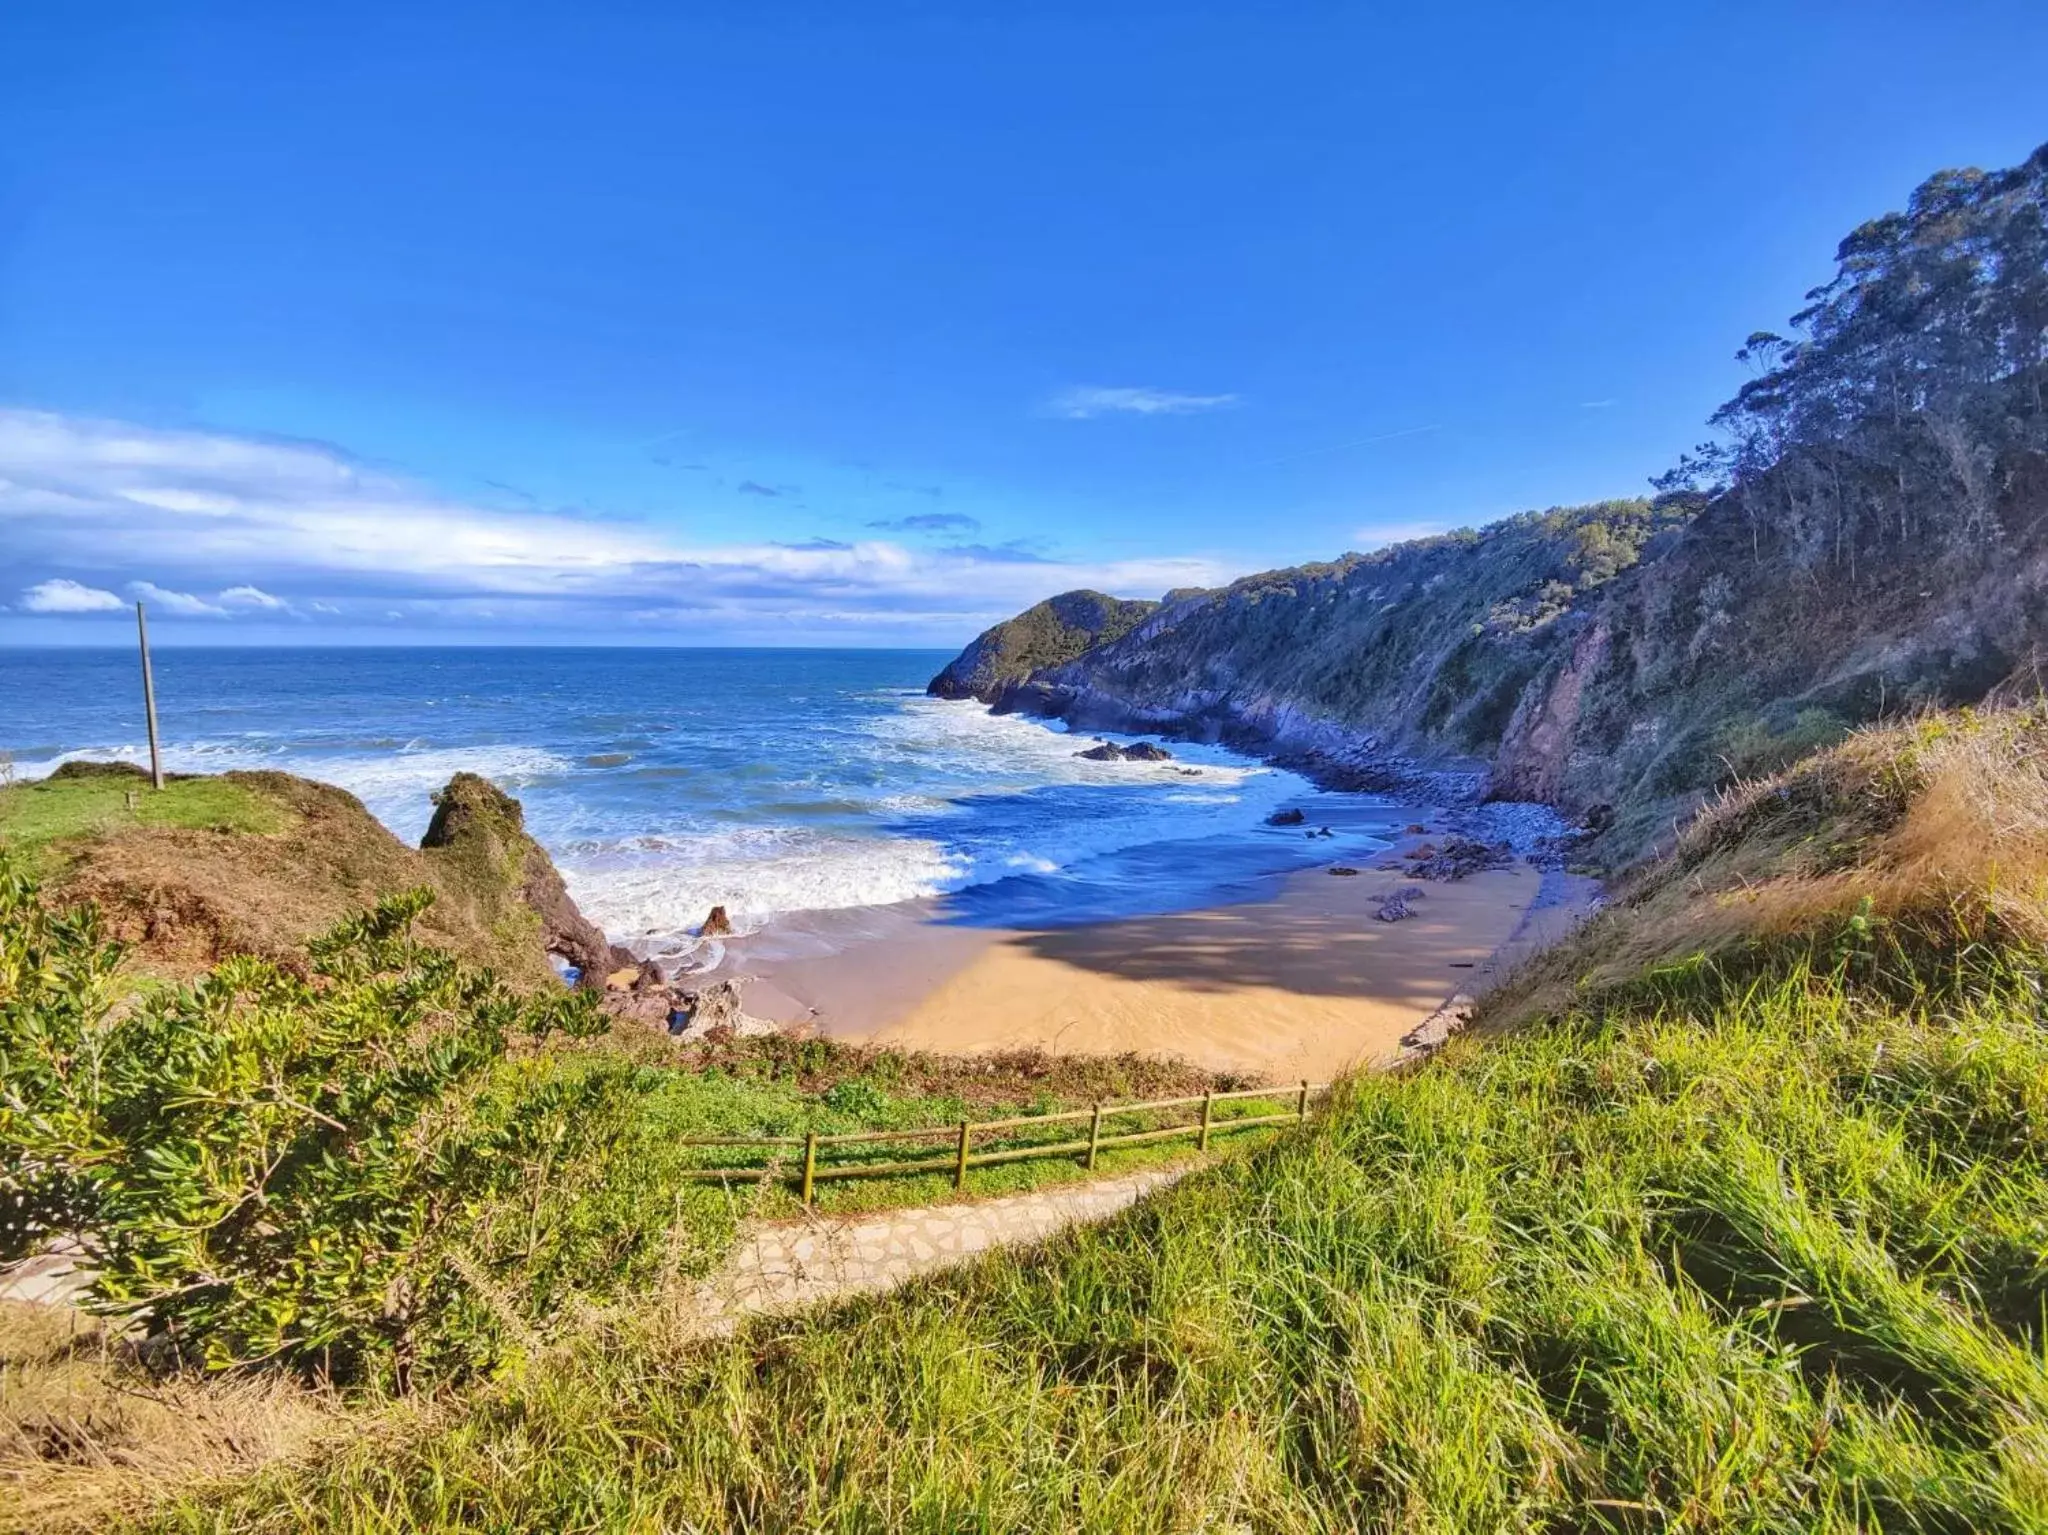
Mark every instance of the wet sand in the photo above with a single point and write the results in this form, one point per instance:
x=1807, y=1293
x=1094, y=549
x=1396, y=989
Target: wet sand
x=1300, y=981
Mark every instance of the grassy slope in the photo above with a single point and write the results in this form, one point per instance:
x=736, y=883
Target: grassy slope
x=35, y=814
x=250, y=863
x=86, y=1430
x=1753, y=1241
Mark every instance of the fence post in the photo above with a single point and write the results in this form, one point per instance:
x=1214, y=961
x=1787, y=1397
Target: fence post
x=1094, y=1136
x=1208, y=1104
x=810, y=1162
x=960, y=1165
x=1301, y=1112
x=156, y=761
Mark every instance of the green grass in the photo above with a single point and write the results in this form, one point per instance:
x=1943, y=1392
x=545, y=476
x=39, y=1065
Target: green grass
x=47, y=810
x=1775, y=1262
x=675, y=1103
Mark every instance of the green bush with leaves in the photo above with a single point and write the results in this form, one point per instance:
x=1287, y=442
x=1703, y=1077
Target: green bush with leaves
x=344, y=1172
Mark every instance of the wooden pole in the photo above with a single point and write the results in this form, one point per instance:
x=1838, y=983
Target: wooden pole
x=810, y=1163
x=1094, y=1136
x=1301, y=1112
x=156, y=761
x=1208, y=1105
x=960, y=1164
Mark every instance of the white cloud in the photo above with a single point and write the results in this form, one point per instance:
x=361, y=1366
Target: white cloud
x=251, y=597
x=181, y=604
x=271, y=526
x=62, y=596
x=1085, y=400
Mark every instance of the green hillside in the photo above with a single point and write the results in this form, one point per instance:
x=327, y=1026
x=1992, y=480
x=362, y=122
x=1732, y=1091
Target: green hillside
x=1747, y=1238
x=1056, y=630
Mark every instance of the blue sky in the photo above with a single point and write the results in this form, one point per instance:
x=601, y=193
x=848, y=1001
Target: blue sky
x=868, y=324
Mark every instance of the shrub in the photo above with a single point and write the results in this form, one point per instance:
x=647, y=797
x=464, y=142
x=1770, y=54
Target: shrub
x=315, y=1171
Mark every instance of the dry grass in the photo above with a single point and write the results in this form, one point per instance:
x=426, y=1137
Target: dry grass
x=88, y=1433
x=1936, y=828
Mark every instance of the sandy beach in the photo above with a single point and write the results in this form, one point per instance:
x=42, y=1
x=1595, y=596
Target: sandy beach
x=1299, y=981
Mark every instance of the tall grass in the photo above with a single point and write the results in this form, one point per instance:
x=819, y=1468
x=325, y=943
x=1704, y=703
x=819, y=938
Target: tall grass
x=1779, y=1262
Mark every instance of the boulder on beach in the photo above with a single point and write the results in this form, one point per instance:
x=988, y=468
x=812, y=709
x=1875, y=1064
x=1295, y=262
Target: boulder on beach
x=1291, y=817
x=696, y=1013
x=1397, y=907
x=1458, y=857
x=717, y=925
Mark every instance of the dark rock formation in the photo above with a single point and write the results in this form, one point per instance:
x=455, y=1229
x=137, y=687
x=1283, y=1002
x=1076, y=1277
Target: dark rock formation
x=1397, y=907
x=1109, y=751
x=1290, y=817
x=1457, y=858
x=481, y=828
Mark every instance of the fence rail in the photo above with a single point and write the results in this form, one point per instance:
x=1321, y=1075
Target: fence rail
x=962, y=1157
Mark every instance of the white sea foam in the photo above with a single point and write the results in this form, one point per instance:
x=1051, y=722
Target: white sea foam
x=652, y=889
x=665, y=888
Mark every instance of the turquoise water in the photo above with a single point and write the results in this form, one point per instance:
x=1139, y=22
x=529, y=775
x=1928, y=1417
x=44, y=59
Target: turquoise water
x=773, y=782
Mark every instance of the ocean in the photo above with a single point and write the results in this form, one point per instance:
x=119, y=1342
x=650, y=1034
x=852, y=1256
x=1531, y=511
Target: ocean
x=776, y=783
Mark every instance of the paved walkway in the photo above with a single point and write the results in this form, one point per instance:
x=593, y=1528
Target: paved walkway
x=51, y=1278
x=795, y=1263
x=779, y=1267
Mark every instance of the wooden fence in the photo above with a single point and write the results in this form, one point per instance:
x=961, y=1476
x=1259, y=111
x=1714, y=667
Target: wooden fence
x=963, y=1156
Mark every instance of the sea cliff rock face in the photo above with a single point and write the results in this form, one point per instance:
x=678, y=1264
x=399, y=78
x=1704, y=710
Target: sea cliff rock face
x=483, y=829
x=1055, y=630
x=1392, y=671
x=1537, y=743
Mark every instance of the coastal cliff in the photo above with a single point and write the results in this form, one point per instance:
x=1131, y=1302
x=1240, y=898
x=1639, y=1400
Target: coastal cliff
x=1056, y=630
x=1866, y=537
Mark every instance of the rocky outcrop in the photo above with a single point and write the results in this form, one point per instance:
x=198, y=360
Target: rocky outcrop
x=1056, y=630
x=480, y=830
x=1109, y=751
x=1536, y=746
x=304, y=857
x=692, y=1014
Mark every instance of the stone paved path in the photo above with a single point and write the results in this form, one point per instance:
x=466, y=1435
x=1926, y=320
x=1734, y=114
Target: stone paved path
x=51, y=1278
x=797, y=1263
